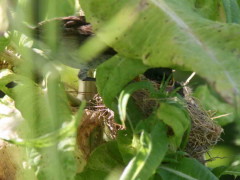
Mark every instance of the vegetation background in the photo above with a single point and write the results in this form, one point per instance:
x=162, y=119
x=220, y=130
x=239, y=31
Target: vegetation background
x=39, y=123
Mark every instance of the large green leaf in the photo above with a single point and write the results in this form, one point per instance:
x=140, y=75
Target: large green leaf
x=116, y=73
x=111, y=159
x=153, y=148
x=209, y=9
x=4, y=41
x=186, y=169
x=103, y=161
x=169, y=33
x=232, y=11
x=126, y=94
x=43, y=112
x=234, y=169
x=175, y=118
x=124, y=140
x=91, y=174
x=4, y=80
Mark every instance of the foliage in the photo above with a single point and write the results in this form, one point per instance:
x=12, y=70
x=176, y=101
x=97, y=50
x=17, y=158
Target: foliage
x=189, y=35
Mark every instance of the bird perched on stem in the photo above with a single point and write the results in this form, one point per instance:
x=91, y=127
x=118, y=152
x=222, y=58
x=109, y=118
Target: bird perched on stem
x=74, y=31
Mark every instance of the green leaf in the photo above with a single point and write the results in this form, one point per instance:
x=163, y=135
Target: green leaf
x=208, y=9
x=111, y=159
x=103, y=160
x=212, y=103
x=116, y=73
x=124, y=140
x=54, y=155
x=233, y=170
x=4, y=41
x=232, y=11
x=91, y=174
x=126, y=93
x=169, y=33
x=44, y=111
x=186, y=169
x=177, y=119
x=4, y=80
x=218, y=171
x=152, y=151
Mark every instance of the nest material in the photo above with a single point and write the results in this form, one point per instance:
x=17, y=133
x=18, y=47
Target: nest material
x=205, y=133
x=97, y=126
x=9, y=59
x=98, y=121
x=144, y=102
x=8, y=167
x=4, y=65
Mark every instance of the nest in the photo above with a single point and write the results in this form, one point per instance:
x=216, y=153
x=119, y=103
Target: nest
x=8, y=167
x=205, y=133
x=5, y=65
x=144, y=102
x=98, y=123
x=97, y=127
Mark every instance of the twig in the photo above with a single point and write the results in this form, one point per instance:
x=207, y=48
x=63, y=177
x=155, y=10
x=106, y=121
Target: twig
x=189, y=79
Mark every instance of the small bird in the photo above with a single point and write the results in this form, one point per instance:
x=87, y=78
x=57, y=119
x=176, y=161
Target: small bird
x=74, y=31
x=158, y=74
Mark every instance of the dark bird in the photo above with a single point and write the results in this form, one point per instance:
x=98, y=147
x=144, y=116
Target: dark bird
x=158, y=74
x=74, y=32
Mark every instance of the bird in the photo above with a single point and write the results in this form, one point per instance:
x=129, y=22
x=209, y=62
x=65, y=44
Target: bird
x=74, y=32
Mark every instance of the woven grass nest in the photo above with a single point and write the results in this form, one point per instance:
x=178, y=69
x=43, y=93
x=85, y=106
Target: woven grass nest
x=205, y=133
x=98, y=124
x=97, y=127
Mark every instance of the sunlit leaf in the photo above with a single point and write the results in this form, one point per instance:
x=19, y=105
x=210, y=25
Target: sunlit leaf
x=116, y=73
x=103, y=160
x=176, y=119
x=186, y=169
x=127, y=92
x=233, y=170
x=232, y=11
x=209, y=9
x=169, y=33
x=154, y=145
x=4, y=41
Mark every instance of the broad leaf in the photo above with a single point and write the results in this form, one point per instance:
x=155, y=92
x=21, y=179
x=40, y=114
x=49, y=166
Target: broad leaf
x=111, y=159
x=127, y=92
x=4, y=41
x=152, y=151
x=232, y=11
x=209, y=9
x=234, y=169
x=169, y=33
x=219, y=170
x=186, y=169
x=124, y=140
x=4, y=80
x=91, y=174
x=103, y=160
x=176, y=119
x=43, y=112
x=116, y=73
